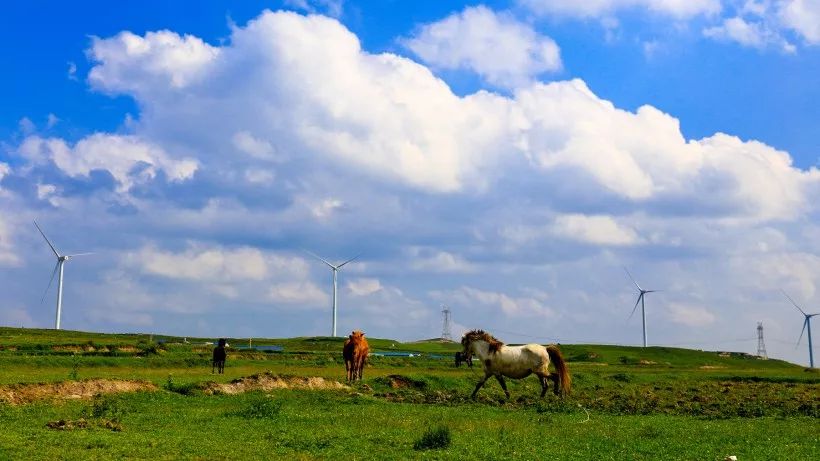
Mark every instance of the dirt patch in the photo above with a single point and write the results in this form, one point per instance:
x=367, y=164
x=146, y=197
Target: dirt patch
x=403, y=382
x=19, y=394
x=268, y=381
x=63, y=425
x=8, y=348
x=127, y=349
x=711, y=367
x=647, y=362
x=67, y=348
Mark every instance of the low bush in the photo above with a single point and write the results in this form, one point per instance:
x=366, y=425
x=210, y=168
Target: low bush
x=435, y=438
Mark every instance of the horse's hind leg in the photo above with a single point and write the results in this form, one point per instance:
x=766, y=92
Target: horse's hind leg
x=503, y=385
x=556, y=379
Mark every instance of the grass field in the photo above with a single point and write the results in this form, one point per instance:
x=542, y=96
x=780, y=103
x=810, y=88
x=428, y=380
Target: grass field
x=627, y=403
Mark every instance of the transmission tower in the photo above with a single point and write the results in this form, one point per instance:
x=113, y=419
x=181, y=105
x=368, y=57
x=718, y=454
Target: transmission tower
x=761, y=346
x=445, y=329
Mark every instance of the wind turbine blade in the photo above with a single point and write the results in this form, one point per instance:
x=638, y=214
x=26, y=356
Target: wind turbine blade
x=652, y=291
x=805, y=324
x=795, y=304
x=47, y=240
x=320, y=258
x=349, y=260
x=633, y=279
x=636, y=305
x=53, y=273
x=80, y=254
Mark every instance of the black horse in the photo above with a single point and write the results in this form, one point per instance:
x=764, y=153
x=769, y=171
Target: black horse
x=219, y=357
x=461, y=358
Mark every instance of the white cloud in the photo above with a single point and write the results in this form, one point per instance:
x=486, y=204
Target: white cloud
x=364, y=286
x=302, y=293
x=159, y=59
x=415, y=130
x=802, y=16
x=489, y=300
x=597, y=230
x=8, y=256
x=204, y=264
x=129, y=159
x=505, y=52
x=26, y=126
x=440, y=261
x=693, y=316
x=682, y=9
x=258, y=148
x=751, y=34
x=52, y=120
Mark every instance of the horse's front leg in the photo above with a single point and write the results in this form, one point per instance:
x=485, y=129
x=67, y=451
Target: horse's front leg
x=480, y=383
x=503, y=385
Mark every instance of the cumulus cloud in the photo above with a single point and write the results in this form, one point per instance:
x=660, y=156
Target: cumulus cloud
x=434, y=140
x=159, y=59
x=129, y=159
x=503, y=51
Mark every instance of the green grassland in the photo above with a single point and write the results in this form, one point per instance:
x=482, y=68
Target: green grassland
x=626, y=403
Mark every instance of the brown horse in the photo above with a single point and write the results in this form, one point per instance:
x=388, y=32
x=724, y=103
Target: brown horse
x=516, y=362
x=355, y=352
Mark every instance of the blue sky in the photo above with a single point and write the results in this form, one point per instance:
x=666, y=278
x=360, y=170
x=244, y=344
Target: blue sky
x=506, y=159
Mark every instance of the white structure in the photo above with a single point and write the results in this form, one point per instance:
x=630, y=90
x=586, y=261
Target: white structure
x=335, y=270
x=61, y=260
x=641, y=295
x=806, y=326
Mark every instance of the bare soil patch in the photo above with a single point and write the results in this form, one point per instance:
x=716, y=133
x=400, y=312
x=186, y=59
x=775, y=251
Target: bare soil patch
x=20, y=394
x=268, y=381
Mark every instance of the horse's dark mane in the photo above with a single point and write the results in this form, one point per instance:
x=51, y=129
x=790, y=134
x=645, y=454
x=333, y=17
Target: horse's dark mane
x=481, y=335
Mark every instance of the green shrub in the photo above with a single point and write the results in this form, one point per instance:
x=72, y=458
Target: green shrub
x=438, y=437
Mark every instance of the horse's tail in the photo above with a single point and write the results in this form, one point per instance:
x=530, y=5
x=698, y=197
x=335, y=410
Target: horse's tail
x=561, y=368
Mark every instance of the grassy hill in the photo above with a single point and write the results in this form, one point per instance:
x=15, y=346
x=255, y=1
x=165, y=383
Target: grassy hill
x=626, y=402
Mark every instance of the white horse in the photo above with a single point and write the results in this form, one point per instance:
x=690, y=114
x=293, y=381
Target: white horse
x=516, y=362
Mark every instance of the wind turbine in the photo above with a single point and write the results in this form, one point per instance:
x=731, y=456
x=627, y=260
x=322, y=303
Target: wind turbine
x=640, y=300
x=335, y=269
x=806, y=326
x=61, y=260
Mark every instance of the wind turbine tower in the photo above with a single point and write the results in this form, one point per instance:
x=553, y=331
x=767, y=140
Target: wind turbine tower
x=59, y=267
x=806, y=326
x=445, y=329
x=761, y=346
x=335, y=269
x=641, y=295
